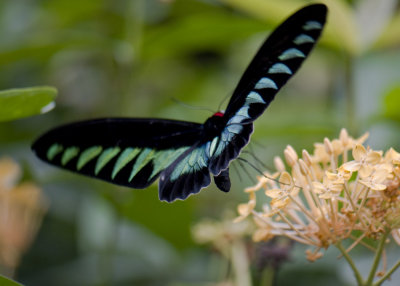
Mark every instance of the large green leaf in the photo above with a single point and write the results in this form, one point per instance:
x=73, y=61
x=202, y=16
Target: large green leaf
x=22, y=102
x=8, y=282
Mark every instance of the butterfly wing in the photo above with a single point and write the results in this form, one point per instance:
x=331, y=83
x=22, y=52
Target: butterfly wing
x=278, y=59
x=187, y=175
x=124, y=151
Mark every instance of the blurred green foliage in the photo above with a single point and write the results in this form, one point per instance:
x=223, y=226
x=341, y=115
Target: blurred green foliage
x=129, y=58
x=392, y=104
x=23, y=102
x=8, y=282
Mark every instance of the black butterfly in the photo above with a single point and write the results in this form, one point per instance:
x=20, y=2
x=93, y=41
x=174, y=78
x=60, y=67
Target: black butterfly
x=134, y=152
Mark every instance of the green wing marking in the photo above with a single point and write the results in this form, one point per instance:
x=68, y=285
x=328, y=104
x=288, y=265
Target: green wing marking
x=145, y=157
x=126, y=156
x=69, y=154
x=87, y=155
x=105, y=157
x=53, y=151
x=162, y=159
x=194, y=161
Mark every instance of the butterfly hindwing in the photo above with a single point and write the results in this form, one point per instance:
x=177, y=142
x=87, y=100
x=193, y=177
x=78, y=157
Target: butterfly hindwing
x=187, y=175
x=227, y=146
x=125, y=151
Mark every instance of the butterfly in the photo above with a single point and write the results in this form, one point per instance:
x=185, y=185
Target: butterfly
x=134, y=152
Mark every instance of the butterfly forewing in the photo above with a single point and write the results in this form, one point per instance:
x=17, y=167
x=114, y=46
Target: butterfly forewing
x=278, y=59
x=128, y=152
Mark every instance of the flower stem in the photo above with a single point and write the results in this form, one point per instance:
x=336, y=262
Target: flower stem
x=377, y=258
x=240, y=264
x=350, y=261
x=267, y=277
x=387, y=275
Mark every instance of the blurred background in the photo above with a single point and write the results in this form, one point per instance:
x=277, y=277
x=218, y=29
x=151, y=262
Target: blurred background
x=136, y=59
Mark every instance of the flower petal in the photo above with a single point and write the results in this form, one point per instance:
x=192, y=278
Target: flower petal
x=374, y=157
x=351, y=166
x=274, y=193
x=359, y=152
x=365, y=171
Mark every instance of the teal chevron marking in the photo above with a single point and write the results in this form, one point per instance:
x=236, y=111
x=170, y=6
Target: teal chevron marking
x=161, y=160
x=280, y=68
x=303, y=39
x=226, y=136
x=236, y=119
x=164, y=158
x=223, y=143
x=291, y=54
x=126, y=156
x=53, y=151
x=243, y=111
x=212, y=146
x=194, y=161
x=196, y=157
x=69, y=154
x=145, y=157
x=241, y=115
x=254, y=97
x=88, y=155
x=235, y=128
x=265, y=83
x=105, y=157
x=312, y=25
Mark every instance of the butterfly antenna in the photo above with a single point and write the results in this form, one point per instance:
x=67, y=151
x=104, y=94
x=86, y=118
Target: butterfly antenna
x=252, y=154
x=261, y=163
x=235, y=169
x=192, y=106
x=223, y=100
x=258, y=144
x=244, y=169
x=261, y=173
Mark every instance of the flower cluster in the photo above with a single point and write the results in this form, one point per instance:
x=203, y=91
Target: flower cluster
x=327, y=197
x=221, y=234
x=22, y=207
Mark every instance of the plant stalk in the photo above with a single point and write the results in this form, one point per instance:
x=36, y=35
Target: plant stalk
x=377, y=258
x=350, y=261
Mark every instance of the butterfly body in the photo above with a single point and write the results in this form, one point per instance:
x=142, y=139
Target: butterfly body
x=134, y=152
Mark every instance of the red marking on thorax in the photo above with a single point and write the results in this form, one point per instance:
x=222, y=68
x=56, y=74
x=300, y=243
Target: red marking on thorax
x=219, y=114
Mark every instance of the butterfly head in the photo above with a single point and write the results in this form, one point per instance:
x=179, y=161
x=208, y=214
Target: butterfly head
x=214, y=124
x=219, y=114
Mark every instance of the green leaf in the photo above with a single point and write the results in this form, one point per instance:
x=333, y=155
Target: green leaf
x=392, y=104
x=8, y=282
x=22, y=102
